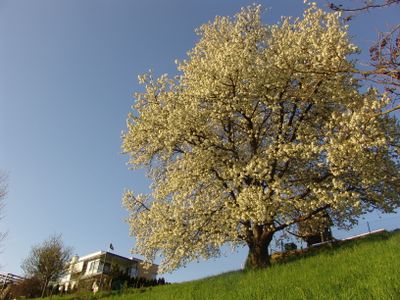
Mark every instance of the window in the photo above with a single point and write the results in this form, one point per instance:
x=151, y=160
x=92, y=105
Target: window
x=134, y=271
x=93, y=267
x=107, y=268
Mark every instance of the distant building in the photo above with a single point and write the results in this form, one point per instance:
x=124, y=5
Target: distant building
x=97, y=266
x=316, y=230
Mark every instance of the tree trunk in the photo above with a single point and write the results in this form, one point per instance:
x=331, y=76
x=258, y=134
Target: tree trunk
x=44, y=287
x=258, y=256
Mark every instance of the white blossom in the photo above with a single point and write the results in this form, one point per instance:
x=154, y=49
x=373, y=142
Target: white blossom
x=263, y=128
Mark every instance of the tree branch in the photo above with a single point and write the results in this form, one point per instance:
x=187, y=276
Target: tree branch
x=302, y=218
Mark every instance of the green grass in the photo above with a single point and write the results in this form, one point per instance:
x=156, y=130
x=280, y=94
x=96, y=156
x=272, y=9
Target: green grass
x=368, y=268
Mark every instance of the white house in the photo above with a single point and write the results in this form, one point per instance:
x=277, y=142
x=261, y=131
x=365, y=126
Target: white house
x=97, y=266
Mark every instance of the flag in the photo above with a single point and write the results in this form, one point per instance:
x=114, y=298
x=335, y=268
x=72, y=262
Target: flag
x=111, y=246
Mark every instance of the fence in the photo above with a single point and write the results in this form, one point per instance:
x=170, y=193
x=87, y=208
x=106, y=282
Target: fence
x=370, y=223
x=5, y=279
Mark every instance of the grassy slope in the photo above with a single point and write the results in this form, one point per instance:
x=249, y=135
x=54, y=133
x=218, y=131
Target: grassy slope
x=363, y=269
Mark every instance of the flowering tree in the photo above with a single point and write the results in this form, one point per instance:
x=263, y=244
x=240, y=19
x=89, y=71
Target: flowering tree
x=384, y=66
x=263, y=129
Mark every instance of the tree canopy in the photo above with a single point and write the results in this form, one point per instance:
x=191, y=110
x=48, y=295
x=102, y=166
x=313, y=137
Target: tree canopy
x=47, y=261
x=383, y=70
x=263, y=128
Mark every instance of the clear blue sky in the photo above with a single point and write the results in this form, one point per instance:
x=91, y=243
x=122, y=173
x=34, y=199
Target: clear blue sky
x=68, y=69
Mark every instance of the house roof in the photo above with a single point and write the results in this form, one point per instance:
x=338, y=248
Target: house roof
x=110, y=254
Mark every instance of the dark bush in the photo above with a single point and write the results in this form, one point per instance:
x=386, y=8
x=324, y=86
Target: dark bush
x=27, y=288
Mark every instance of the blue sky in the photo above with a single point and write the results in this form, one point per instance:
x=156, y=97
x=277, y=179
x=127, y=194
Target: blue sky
x=68, y=69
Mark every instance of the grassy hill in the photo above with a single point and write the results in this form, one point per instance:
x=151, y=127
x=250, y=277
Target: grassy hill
x=368, y=268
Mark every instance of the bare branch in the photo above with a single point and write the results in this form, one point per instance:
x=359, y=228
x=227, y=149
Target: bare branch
x=367, y=5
